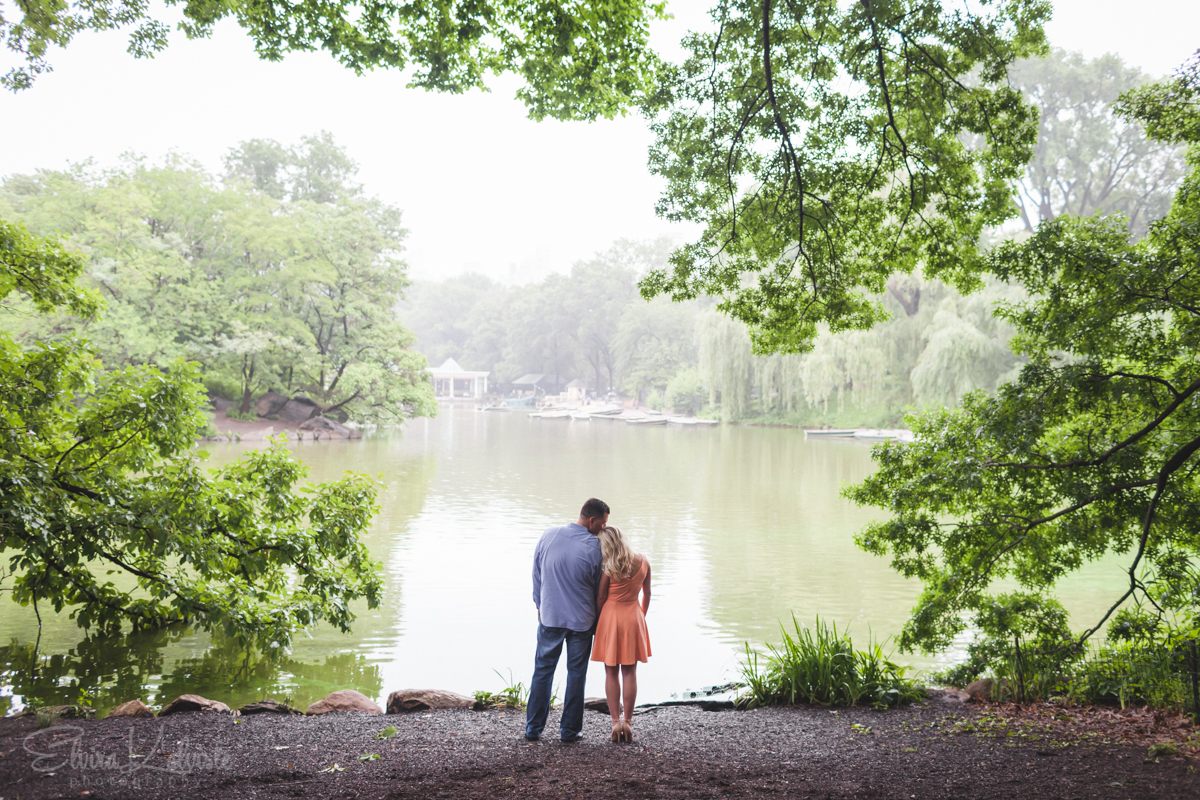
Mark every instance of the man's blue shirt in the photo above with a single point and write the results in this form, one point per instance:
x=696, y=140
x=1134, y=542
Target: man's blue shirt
x=566, y=576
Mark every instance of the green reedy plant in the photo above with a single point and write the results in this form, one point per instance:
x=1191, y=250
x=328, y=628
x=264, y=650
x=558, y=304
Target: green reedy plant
x=820, y=666
x=514, y=695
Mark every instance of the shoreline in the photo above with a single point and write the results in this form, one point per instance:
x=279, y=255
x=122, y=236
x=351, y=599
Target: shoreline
x=937, y=750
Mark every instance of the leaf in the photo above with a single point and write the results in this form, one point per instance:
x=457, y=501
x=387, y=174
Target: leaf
x=333, y=768
x=369, y=757
x=386, y=733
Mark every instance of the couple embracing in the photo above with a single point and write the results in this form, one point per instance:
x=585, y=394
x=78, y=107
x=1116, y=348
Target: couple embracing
x=586, y=581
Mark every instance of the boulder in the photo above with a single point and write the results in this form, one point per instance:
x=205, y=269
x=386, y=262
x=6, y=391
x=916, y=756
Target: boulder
x=193, y=702
x=299, y=409
x=406, y=700
x=324, y=425
x=980, y=690
x=134, y=708
x=596, y=704
x=270, y=403
x=344, y=700
x=267, y=707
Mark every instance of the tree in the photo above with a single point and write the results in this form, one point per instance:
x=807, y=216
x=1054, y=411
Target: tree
x=294, y=292
x=578, y=60
x=342, y=288
x=1092, y=449
x=1089, y=159
x=821, y=145
x=99, y=475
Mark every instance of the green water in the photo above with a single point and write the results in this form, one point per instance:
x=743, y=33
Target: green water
x=743, y=528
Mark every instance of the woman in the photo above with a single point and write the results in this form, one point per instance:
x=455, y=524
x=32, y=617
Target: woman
x=622, y=639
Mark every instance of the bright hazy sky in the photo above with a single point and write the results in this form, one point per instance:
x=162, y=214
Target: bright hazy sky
x=482, y=187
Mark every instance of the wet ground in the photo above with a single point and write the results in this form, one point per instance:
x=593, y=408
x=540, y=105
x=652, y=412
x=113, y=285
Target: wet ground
x=940, y=750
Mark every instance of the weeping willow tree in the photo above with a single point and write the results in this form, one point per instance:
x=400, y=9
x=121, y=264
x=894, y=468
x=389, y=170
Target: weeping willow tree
x=936, y=346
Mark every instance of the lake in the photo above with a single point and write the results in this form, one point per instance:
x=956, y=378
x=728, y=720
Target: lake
x=743, y=527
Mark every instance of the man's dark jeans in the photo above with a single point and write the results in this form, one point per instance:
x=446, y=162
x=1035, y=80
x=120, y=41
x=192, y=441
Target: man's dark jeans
x=549, y=647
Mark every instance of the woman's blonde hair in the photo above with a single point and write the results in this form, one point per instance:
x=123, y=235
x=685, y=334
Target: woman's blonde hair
x=618, y=555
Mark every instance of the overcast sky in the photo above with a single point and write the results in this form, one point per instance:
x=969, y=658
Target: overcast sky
x=482, y=187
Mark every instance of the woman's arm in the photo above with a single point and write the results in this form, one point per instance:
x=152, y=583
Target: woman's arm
x=602, y=594
x=646, y=589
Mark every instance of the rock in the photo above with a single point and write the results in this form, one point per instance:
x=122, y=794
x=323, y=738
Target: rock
x=947, y=695
x=980, y=690
x=299, y=409
x=193, y=702
x=596, y=704
x=134, y=708
x=324, y=425
x=68, y=712
x=270, y=403
x=267, y=707
x=407, y=700
x=344, y=700
x=221, y=404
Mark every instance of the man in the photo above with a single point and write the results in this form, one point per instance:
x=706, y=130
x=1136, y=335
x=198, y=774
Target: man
x=566, y=577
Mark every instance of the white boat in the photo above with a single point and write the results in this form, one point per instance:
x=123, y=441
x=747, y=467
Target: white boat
x=838, y=433
x=553, y=414
x=708, y=421
x=583, y=415
x=648, y=420
x=683, y=421
x=882, y=434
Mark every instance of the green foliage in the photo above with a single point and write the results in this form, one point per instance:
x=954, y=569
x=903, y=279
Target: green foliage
x=43, y=271
x=820, y=666
x=1091, y=449
x=98, y=477
x=513, y=695
x=685, y=392
x=294, y=295
x=578, y=60
x=821, y=146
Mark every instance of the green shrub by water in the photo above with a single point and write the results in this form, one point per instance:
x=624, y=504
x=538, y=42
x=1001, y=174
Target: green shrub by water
x=820, y=666
x=1151, y=671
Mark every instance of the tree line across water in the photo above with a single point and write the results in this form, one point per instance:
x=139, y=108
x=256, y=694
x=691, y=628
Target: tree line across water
x=933, y=345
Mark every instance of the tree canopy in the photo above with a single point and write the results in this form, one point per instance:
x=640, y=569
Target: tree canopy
x=823, y=148
x=1092, y=448
x=1088, y=158
x=578, y=60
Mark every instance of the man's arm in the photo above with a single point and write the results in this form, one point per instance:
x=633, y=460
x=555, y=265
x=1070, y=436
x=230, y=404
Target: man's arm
x=537, y=575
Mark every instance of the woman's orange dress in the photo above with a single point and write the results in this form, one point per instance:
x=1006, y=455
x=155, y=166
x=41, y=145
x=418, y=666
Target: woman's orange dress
x=621, y=633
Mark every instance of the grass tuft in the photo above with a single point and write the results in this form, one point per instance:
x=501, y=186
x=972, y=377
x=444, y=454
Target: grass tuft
x=820, y=666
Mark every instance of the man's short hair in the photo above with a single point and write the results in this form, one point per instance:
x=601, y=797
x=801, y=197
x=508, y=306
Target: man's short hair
x=593, y=508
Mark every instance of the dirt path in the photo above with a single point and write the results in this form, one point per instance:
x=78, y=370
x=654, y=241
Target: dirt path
x=936, y=751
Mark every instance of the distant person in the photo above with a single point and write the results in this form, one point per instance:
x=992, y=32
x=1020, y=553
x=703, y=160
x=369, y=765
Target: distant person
x=566, y=579
x=622, y=639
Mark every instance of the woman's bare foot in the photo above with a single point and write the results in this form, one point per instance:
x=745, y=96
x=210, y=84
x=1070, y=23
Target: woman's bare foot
x=626, y=731
x=617, y=730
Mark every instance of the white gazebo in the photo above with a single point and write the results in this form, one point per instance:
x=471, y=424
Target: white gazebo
x=452, y=382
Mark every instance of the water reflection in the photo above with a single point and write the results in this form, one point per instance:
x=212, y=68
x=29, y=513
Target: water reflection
x=743, y=526
x=106, y=671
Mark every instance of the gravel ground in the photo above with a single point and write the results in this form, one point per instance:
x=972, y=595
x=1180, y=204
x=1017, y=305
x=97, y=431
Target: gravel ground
x=931, y=751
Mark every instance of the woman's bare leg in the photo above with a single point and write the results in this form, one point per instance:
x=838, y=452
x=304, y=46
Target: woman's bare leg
x=612, y=691
x=629, y=689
